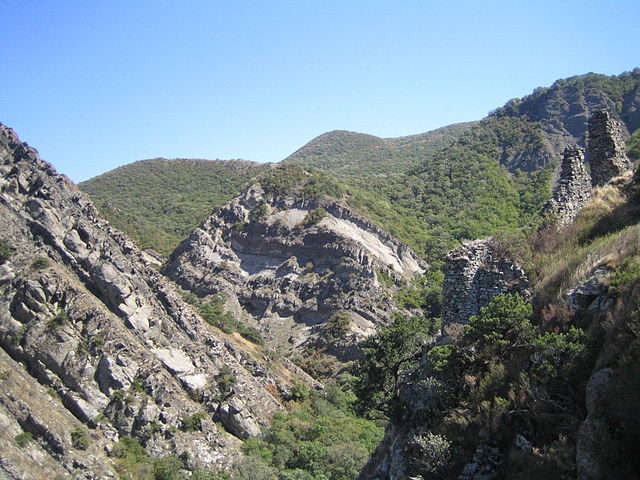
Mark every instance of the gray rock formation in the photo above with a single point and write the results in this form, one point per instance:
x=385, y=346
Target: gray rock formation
x=591, y=294
x=573, y=189
x=607, y=151
x=293, y=264
x=594, y=434
x=484, y=465
x=475, y=272
x=93, y=338
x=562, y=111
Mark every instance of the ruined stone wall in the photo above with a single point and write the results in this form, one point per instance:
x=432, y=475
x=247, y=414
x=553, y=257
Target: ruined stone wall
x=573, y=189
x=475, y=272
x=607, y=153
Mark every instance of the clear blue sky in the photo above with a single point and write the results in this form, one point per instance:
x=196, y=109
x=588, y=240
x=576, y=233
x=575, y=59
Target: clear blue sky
x=96, y=84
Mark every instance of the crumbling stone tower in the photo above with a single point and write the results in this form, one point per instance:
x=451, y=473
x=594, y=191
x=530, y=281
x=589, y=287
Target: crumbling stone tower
x=573, y=189
x=607, y=155
x=475, y=272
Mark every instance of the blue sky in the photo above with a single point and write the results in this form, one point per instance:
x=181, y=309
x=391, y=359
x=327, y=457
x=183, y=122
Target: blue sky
x=97, y=84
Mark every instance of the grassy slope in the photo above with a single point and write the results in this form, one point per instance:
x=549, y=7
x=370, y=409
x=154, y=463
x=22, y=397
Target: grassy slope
x=159, y=202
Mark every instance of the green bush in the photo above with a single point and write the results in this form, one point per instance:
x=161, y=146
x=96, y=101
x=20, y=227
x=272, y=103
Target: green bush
x=6, y=250
x=22, y=439
x=317, y=440
x=133, y=463
x=213, y=312
x=260, y=211
x=384, y=278
x=633, y=146
x=627, y=274
x=338, y=326
x=225, y=381
x=58, y=321
x=193, y=423
x=80, y=438
x=40, y=263
x=314, y=217
x=300, y=391
x=424, y=292
x=502, y=325
x=431, y=451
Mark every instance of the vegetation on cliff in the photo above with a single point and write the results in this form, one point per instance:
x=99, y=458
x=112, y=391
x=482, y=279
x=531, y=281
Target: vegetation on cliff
x=515, y=380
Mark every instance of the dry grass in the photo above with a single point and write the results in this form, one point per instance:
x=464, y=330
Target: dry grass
x=605, y=233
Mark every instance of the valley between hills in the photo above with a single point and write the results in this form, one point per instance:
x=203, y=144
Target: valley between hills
x=458, y=304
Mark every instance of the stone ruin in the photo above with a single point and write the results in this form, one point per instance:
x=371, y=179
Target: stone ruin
x=573, y=189
x=475, y=272
x=607, y=152
x=607, y=158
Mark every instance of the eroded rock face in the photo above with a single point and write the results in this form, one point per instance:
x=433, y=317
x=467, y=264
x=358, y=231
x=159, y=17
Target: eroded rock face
x=573, y=190
x=475, y=272
x=293, y=264
x=607, y=152
x=84, y=317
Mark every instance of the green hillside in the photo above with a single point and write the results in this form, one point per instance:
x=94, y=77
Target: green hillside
x=158, y=202
x=352, y=154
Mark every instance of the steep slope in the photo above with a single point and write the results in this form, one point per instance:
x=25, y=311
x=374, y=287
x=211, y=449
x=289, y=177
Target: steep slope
x=299, y=264
x=532, y=386
x=96, y=345
x=562, y=110
x=159, y=202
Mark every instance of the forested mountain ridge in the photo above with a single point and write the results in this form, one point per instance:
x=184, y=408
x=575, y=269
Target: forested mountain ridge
x=431, y=190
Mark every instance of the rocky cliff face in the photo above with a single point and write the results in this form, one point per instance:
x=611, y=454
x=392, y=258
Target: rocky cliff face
x=475, y=272
x=607, y=150
x=94, y=340
x=563, y=110
x=573, y=189
x=293, y=265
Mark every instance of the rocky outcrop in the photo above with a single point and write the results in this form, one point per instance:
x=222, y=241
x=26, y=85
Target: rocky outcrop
x=607, y=151
x=293, y=264
x=594, y=433
x=563, y=111
x=573, y=189
x=93, y=339
x=475, y=272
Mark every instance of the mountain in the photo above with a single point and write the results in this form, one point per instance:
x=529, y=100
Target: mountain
x=311, y=309
x=299, y=266
x=431, y=191
x=159, y=202
x=99, y=352
x=535, y=368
